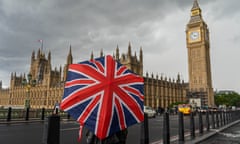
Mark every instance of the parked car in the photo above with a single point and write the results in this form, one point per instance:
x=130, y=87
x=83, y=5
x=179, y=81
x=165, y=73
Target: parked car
x=213, y=109
x=203, y=109
x=234, y=108
x=149, y=111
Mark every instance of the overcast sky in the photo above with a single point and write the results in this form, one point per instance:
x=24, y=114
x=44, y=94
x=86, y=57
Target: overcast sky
x=158, y=26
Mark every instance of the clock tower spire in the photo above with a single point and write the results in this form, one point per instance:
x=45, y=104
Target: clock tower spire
x=199, y=66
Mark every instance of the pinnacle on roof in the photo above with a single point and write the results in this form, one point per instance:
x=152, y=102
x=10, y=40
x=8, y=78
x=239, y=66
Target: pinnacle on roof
x=195, y=5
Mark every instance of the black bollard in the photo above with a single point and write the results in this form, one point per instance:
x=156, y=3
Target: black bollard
x=234, y=115
x=207, y=120
x=221, y=118
x=217, y=119
x=53, y=129
x=192, y=125
x=224, y=117
x=238, y=116
x=68, y=116
x=57, y=111
x=27, y=114
x=43, y=112
x=9, y=116
x=227, y=117
x=180, y=128
x=230, y=116
x=144, y=131
x=200, y=122
x=166, y=133
x=213, y=120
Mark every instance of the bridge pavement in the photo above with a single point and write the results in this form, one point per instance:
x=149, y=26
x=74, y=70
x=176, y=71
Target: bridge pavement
x=227, y=134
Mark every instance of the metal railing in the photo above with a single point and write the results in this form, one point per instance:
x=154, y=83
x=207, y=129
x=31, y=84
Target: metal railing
x=213, y=120
x=27, y=114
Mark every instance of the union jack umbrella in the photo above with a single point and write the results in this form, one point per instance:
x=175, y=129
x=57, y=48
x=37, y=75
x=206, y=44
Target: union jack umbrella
x=103, y=95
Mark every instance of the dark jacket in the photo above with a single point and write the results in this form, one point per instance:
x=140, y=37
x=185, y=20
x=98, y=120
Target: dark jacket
x=117, y=138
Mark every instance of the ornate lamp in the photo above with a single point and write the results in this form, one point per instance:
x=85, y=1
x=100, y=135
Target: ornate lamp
x=28, y=83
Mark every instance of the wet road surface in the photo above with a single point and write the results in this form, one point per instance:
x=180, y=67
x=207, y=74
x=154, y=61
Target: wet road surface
x=230, y=135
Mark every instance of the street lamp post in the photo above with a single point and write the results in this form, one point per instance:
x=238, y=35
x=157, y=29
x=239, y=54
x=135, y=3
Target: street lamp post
x=28, y=83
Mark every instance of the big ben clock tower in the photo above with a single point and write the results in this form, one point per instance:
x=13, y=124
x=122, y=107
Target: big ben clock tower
x=199, y=67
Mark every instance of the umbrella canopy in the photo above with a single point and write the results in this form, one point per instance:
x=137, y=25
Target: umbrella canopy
x=103, y=95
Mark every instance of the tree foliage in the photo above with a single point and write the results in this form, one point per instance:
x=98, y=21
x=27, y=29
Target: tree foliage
x=231, y=99
x=176, y=104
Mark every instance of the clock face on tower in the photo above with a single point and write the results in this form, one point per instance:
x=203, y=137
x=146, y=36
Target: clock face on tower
x=194, y=35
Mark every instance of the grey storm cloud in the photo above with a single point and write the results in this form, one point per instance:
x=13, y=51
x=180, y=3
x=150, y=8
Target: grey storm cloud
x=158, y=26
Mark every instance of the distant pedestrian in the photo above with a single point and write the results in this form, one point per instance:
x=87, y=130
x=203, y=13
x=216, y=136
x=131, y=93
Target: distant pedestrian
x=176, y=110
x=160, y=110
x=56, y=108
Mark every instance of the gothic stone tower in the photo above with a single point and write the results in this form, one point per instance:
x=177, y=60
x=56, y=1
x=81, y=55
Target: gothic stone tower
x=130, y=61
x=69, y=61
x=41, y=70
x=199, y=67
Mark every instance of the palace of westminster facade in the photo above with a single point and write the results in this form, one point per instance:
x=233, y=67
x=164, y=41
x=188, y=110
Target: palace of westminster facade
x=159, y=91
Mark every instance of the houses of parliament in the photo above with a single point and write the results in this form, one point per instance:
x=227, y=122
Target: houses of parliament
x=159, y=91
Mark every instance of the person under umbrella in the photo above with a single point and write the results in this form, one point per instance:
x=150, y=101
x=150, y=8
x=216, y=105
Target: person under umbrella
x=104, y=96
